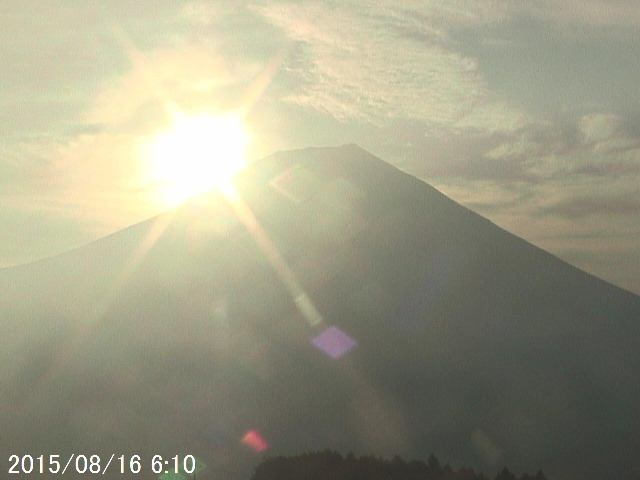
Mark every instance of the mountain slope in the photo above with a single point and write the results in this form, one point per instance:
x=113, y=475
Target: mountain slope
x=183, y=333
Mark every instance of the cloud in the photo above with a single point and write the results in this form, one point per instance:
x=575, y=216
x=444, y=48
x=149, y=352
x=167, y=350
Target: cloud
x=598, y=148
x=585, y=206
x=599, y=127
x=377, y=63
x=59, y=193
x=548, y=185
x=200, y=12
x=597, y=13
x=74, y=174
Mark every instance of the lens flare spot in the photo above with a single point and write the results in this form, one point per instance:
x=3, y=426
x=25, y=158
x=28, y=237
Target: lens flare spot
x=334, y=342
x=254, y=441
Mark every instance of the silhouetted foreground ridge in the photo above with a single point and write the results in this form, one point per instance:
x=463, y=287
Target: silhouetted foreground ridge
x=330, y=465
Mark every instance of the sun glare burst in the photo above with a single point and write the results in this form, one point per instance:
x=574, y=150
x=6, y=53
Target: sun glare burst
x=197, y=154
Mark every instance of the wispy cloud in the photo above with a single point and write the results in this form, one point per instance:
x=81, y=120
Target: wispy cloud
x=548, y=185
x=353, y=60
x=586, y=206
x=586, y=12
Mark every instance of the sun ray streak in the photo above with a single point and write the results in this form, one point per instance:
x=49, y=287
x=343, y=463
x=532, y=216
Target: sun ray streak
x=142, y=65
x=261, y=82
x=83, y=333
x=279, y=264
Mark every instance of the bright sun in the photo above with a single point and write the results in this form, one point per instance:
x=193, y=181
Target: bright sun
x=198, y=153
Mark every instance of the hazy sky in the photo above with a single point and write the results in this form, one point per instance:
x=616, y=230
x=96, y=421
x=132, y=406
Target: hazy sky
x=526, y=111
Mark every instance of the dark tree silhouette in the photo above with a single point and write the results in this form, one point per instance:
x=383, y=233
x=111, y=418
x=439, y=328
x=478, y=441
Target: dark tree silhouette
x=330, y=465
x=505, y=474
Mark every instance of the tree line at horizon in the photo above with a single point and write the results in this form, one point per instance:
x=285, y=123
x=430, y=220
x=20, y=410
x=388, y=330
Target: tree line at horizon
x=331, y=465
